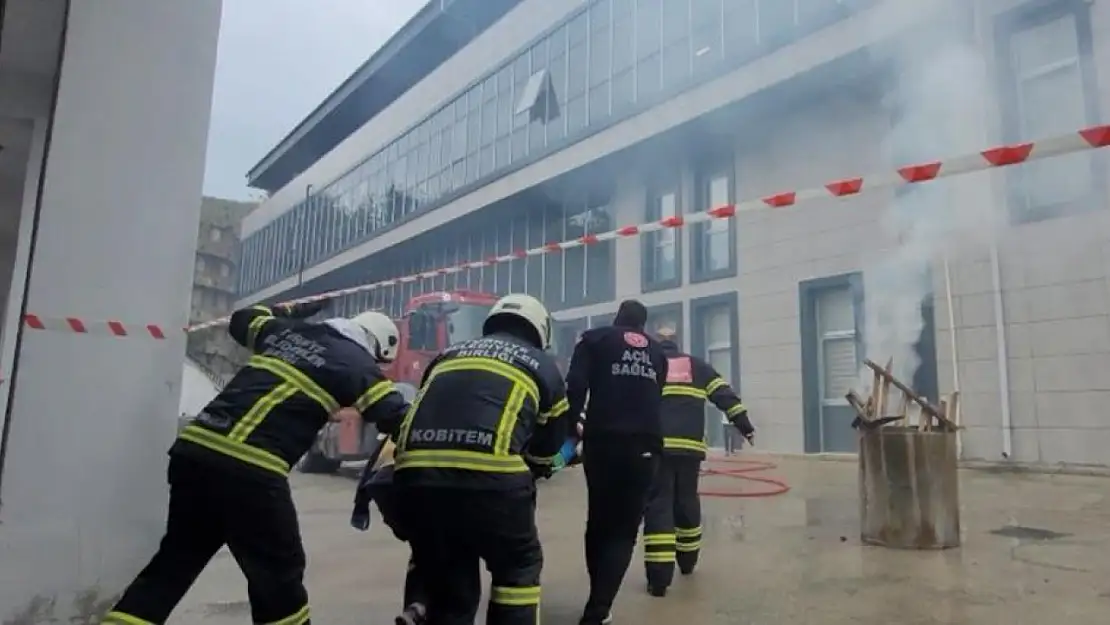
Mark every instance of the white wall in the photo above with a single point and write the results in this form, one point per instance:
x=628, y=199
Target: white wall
x=84, y=483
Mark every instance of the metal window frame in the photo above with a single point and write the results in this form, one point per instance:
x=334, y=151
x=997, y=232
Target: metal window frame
x=649, y=243
x=1029, y=15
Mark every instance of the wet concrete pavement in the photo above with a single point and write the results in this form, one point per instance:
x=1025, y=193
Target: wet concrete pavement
x=1036, y=550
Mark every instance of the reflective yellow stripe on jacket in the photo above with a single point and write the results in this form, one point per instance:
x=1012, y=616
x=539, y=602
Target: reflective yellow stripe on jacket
x=713, y=385
x=500, y=460
x=687, y=444
x=256, y=324
x=673, y=390
x=240, y=451
x=559, y=409
x=234, y=443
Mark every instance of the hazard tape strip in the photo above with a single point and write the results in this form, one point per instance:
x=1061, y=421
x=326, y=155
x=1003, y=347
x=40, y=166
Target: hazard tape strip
x=999, y=156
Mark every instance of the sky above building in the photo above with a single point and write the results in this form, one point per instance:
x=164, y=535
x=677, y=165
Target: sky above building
x=278, y=59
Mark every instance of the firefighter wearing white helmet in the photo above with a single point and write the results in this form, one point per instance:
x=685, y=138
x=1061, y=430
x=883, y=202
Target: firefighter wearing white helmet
x=488, y=420
x=230, y=464
x=381, y=332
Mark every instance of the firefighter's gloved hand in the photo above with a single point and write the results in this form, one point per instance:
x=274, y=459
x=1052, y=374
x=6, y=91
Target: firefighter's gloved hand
x=360, y=516
x=303, y=310
x=744, y=424
x=538, y=469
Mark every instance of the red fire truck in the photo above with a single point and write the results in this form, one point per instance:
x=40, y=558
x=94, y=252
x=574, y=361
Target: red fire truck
x=431, y=322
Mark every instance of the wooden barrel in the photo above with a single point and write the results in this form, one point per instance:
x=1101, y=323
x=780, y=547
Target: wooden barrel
x=909, y=489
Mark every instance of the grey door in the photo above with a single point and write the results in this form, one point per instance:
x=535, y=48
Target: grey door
x=838, y=365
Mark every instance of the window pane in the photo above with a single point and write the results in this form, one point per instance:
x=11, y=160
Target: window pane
x=740, y=24
x=599, y=101
x=836, y=311
x=840, y=370
x=676, y=20
x=648, y=27
x=776, y=20
x=1049, y=104
x=676, y=63
x=669, y=321
x=1036, y=48
x=624, y=43
x=718, y=330
x=623, y=94
x=648, y=78
x=599, y=56
x=600, y=268
x=576, y=76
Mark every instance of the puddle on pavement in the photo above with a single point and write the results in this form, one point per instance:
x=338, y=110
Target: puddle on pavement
x=1022, y=532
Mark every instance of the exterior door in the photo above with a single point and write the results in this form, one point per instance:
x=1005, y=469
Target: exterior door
x=718, y=353
x=714, y=336
x=831, y=360
x=839, y=362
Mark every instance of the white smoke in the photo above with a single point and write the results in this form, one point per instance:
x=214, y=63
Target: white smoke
x=939, y=104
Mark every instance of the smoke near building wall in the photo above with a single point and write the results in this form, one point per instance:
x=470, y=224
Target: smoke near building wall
x=941, y=94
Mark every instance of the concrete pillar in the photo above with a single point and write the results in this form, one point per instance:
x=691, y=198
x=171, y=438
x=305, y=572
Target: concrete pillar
x=82, y=501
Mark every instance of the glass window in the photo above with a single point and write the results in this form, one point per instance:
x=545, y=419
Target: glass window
x=600, y=267
x=661, y=247
x=739, y=21
x=649, y=78
x=576, y=114
x=836, y=324
x=623, y=94
x=576, y=76
x=666, y=321
x=600, y=15
x=713, y=240
x=535, y=236
x=676, y=21
x=623, y=42
x=489, y=121
x=599, y=102
x=600, y=50
x=706, y=33
x=649, y=27
x=1051, y=99
x=554, y=265
x=676, y=64
x=578, y=26
x=776, y=21
x=717, y=248
x=716, y=325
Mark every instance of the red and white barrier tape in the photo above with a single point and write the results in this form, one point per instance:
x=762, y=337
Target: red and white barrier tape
x=998, y=156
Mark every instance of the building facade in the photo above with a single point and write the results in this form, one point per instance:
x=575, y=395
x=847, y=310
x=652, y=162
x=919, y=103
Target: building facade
x=562, y=119
x=215, y=278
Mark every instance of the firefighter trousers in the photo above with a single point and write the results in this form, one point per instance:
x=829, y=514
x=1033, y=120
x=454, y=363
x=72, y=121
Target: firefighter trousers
x=209, y=508
x=620, y=472
x=672, y=523
x=451, y=530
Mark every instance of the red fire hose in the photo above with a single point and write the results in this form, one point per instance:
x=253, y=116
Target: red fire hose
x=741, y=470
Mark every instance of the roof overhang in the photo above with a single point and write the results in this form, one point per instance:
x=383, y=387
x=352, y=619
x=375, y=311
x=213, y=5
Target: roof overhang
x=439, y=30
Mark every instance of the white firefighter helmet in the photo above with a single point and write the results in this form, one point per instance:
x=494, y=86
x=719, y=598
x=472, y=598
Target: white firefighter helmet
x=381, y=332
x=526, y=308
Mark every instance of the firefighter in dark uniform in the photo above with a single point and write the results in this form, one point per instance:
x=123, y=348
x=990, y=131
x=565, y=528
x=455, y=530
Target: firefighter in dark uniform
x=672, y=524
x=622, y=370
x=228, y=469
x=486, y=421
